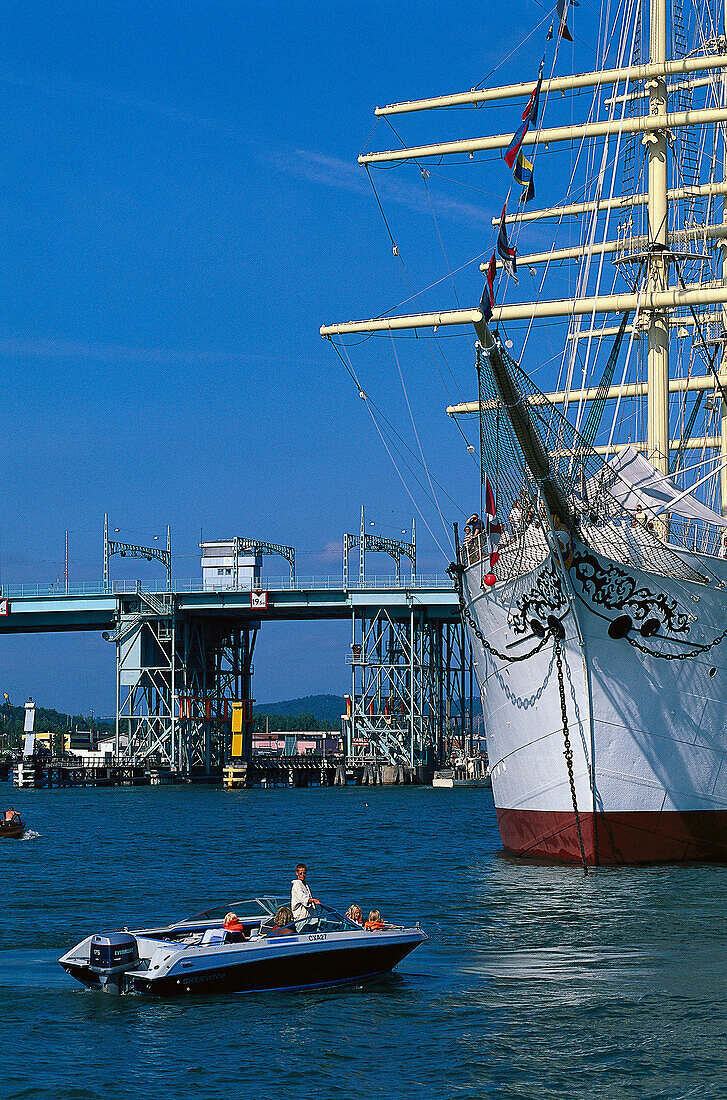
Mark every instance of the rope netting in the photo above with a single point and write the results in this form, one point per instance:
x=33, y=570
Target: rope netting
x=588, y=487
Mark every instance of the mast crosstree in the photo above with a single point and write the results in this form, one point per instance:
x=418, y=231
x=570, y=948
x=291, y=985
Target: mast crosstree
x=659, y=250
x=657, y=433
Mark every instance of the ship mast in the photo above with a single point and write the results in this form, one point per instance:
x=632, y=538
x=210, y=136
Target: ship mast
x=657, y=298
x=657, y=424
x=723, y=362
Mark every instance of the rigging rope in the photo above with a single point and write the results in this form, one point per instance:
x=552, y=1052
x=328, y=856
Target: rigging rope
x=590, y=428
x=687, y=433
x=416, y=435
x=364, y=396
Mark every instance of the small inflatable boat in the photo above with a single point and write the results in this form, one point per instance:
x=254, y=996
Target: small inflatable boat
x=11, y=824
x=198, y=955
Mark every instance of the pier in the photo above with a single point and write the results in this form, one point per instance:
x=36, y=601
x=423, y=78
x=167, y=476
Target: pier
x=262, y=770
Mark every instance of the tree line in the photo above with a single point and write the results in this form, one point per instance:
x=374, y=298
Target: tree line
x=283, y=723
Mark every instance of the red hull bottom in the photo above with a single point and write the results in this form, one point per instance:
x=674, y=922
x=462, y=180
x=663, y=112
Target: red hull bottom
x=625, y=837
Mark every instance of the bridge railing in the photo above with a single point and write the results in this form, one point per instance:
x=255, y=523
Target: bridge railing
x=267, y=584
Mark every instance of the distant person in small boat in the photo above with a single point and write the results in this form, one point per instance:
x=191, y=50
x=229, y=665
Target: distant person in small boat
x=234, y=930
x=281, y=920
x=355, y=914
x=302, y=901
x=374, y=923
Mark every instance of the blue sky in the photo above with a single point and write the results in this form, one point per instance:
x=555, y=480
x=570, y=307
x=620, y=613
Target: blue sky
x=181, y=209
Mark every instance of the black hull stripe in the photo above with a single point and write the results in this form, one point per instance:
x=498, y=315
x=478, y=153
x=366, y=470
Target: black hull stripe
x=286, y=974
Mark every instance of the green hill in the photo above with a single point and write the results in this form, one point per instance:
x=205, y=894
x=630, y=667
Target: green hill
x=324, y=710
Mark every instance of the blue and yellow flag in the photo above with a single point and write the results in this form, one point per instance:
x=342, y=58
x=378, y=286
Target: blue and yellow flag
x=523, y=174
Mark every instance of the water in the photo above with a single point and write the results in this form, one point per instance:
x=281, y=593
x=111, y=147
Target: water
x=536, y=982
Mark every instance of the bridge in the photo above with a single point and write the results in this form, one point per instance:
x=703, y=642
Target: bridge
x=184, y=656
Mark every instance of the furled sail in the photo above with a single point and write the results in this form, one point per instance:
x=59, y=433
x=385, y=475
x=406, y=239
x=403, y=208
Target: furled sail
x=635, y=481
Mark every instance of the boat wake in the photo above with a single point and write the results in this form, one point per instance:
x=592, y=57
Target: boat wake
x=30, y=834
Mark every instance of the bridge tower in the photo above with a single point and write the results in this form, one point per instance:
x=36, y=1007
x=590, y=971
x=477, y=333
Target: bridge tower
x=411, y=671
x=395, y=548
x=177, y=676
x=183, y=659
x=411, y=686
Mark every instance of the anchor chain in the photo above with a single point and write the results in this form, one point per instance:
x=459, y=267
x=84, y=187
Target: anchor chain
x=455, y=571
x=568, y=750
x=679, y=656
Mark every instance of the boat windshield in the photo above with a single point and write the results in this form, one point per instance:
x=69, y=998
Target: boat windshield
x=322, y=919
x=251, y=908
x=263, y=909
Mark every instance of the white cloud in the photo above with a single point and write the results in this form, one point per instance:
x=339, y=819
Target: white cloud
x=333, y=172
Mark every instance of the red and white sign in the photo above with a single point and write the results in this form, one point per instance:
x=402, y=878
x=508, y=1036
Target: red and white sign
x=4, y=607
x=259, y=600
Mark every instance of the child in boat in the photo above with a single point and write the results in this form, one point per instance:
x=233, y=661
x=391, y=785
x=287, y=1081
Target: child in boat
x=281, y=920
x=234, y=930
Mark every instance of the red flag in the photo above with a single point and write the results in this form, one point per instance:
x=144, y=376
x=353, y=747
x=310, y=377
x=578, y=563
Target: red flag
x=514, y=147
x=562, y=9
x=490, y=506
x=530, y=117
x=530, y=114
x=487, y=300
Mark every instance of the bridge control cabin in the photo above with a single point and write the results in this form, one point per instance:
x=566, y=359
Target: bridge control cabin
x=226, y=565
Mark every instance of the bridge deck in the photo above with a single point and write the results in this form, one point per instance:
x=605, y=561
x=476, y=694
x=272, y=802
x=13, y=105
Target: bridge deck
x=35, y=608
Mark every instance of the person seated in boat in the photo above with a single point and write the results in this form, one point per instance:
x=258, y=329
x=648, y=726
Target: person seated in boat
x=281, y=921
x=234, y=930
x=355, y=913
x=374, y=923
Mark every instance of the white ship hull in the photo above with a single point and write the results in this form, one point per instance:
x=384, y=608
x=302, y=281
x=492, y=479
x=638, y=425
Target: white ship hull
x=649, y=735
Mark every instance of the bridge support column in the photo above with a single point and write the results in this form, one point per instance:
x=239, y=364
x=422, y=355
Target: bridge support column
x=214, y=670
x=409, y=687
x=177, y=676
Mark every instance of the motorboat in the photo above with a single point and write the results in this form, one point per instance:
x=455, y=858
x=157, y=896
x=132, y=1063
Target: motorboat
x=197, y=955
x=12, y=825
x=471, y=771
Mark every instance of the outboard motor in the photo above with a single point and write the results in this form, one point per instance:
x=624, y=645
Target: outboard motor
x=111, y=955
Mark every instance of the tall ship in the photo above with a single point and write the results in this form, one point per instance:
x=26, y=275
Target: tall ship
x=593, y=579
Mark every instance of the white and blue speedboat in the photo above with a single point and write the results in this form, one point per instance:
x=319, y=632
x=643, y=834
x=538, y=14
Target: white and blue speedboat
x=197, y=955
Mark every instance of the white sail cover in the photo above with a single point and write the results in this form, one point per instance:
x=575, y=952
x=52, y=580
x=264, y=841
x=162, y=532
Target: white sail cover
x=639, y=482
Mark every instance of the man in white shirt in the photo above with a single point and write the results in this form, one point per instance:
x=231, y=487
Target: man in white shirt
x=301, y=901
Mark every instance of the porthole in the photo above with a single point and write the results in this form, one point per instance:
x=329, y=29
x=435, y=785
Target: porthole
x=712, y=671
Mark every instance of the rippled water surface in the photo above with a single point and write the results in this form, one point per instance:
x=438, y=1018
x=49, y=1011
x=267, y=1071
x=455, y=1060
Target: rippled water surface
x=536, y=981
